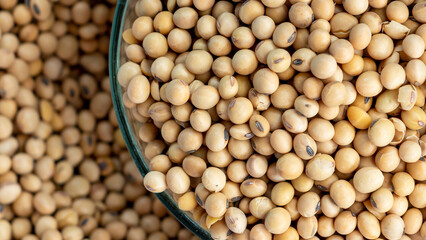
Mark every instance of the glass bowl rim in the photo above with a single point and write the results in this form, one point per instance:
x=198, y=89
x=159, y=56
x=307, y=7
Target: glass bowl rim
x=126, y=130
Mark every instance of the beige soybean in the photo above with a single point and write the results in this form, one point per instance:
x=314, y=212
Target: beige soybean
x=277, y=221
x=308, y=204
x=155, y=181
x=284, y=35
x=216, y=204
x=235, y=220
x=301, y=15
x=381, y=132
x=278, y=60
x=342, y=193
x=213, y=179
x=242, y=37
x=307, y=227
x=200, y=120
x=294, y=122
x=371, y=175
x=320, y=167
x=360, y=36
x=392, y=226
x=387, y=159
x=205, y=97
x=290, y=166
x=177, y=180
x=380, y=46
x=305, y=106
x=240, y=110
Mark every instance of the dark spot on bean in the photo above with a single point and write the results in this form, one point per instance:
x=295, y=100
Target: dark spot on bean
x=36, y=9
x=374, y=122
x=422, y=159
x=231, y=104
x=245, y=2
x=332, y=200
x=344, y=114
x=292, y=37
x=313, y=17
x=227, y=203
x=421, y=124
x=85, y=90
x=45, y=81
x=89, y=140
x=158, y=79
x=149, y=188
x=249, y=135
x=366, y=100
x=232, y=80
x=231, y=220
x=191, y=151
x=259, y=126
x=287, y=125
x=307, y=105
x=413, y=97
x=300, y=114
x=130, y=177
x=248, y=182
x=353, y=214
x=233, y=39
x=198, y=200
x=298, y=62
x=236, y=199
x=2, y=92
x=84, y=221
x=253, y=145
x=317, y=208
x=322, y=188
x=310, y=151
x=226, y=134
x=392, y=187
x=228, y=233
x=373, y=203
x=259, y=44
x=278, y=60
x=72, y=93
x=103, y=165
x=1, y=208
x=253, y=92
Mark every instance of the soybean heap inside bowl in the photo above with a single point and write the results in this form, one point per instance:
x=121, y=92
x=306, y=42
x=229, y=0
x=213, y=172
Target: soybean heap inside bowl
x=282, y=119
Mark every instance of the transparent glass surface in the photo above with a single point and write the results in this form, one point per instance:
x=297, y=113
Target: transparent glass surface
x=124, y=16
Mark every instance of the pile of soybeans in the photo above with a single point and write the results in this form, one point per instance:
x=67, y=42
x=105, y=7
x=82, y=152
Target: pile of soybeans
x=283, y=119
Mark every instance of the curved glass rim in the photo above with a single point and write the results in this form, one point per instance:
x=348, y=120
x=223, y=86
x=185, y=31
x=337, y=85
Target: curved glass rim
x=126, y=130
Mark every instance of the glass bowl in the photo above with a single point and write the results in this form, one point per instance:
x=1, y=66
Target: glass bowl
x=123, y=18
